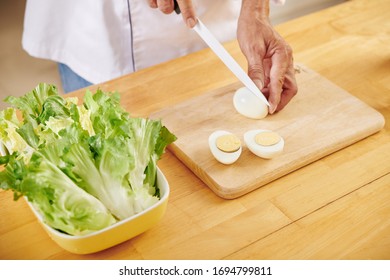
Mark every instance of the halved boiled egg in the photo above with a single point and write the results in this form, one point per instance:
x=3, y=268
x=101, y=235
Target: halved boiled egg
x=264, y=143
x=249, y=105
x=225, y=146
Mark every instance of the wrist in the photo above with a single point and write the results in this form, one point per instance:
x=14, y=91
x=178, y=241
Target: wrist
x=255, y=8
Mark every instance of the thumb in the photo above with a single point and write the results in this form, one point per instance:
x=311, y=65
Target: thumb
x=188, y=12
x=256, y=73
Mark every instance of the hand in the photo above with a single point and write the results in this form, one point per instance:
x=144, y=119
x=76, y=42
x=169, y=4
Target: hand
x=186, y=8
x=270, y=58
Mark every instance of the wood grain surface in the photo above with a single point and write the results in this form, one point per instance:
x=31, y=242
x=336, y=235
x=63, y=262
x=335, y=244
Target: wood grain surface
x=336, y=207
x=322, y=119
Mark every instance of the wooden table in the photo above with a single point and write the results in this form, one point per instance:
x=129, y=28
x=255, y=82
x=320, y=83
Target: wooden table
x=335, y=208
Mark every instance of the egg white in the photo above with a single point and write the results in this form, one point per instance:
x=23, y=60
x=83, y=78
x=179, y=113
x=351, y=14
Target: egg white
x=266, y=152
x=222, y=157
x=249, y=105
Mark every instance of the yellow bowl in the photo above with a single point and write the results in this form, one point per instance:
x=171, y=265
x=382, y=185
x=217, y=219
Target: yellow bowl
x=116, y=233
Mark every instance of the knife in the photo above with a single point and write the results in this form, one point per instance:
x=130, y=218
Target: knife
x=176, y=7
x=226, y=58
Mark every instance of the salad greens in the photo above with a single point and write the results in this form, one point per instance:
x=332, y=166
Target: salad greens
x=83, y=167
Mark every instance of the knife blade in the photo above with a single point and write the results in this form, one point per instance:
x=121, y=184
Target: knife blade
x=227, y=59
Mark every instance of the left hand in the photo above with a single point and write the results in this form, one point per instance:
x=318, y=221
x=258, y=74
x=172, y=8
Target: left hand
x=270, y=58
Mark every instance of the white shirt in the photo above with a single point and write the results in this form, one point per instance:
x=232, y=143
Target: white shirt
x=104, y=39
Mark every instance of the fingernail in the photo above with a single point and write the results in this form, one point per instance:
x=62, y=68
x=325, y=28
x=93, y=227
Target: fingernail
x=191, y=22
x=272, y=108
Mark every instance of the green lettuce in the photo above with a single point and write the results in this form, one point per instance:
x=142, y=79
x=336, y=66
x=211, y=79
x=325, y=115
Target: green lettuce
x=94, y=152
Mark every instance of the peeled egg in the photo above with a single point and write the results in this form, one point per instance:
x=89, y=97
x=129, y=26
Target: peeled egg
x=249, y=105
x=264, y=143
x=225, y=146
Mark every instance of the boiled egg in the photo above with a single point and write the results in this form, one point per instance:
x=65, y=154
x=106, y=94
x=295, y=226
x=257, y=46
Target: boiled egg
x=264, y=143
x=225, y=146
x=249, y=105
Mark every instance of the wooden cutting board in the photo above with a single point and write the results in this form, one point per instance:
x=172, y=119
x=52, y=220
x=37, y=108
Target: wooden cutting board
x=321, y=119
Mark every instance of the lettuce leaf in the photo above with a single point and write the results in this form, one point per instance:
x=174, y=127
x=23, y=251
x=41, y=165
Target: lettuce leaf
x=82, y=166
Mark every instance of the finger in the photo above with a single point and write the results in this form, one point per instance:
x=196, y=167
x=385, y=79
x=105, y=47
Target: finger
x=290, y=88
x=266, y=69
x=256, y=73
x=277, y=76
x=165, y=6
x=267, y=63
x=265, y=92
x=255, y=66
x=153, y=3
x=188, y=12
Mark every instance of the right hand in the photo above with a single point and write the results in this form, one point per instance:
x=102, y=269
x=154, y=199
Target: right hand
x=186, y=8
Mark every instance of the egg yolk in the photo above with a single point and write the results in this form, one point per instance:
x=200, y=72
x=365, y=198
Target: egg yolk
x=267, y=138
x=228, y=143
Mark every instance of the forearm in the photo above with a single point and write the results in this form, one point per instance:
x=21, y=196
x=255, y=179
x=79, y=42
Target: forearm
x=260, y=8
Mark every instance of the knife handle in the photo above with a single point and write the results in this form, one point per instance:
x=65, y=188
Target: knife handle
x=176, y=7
